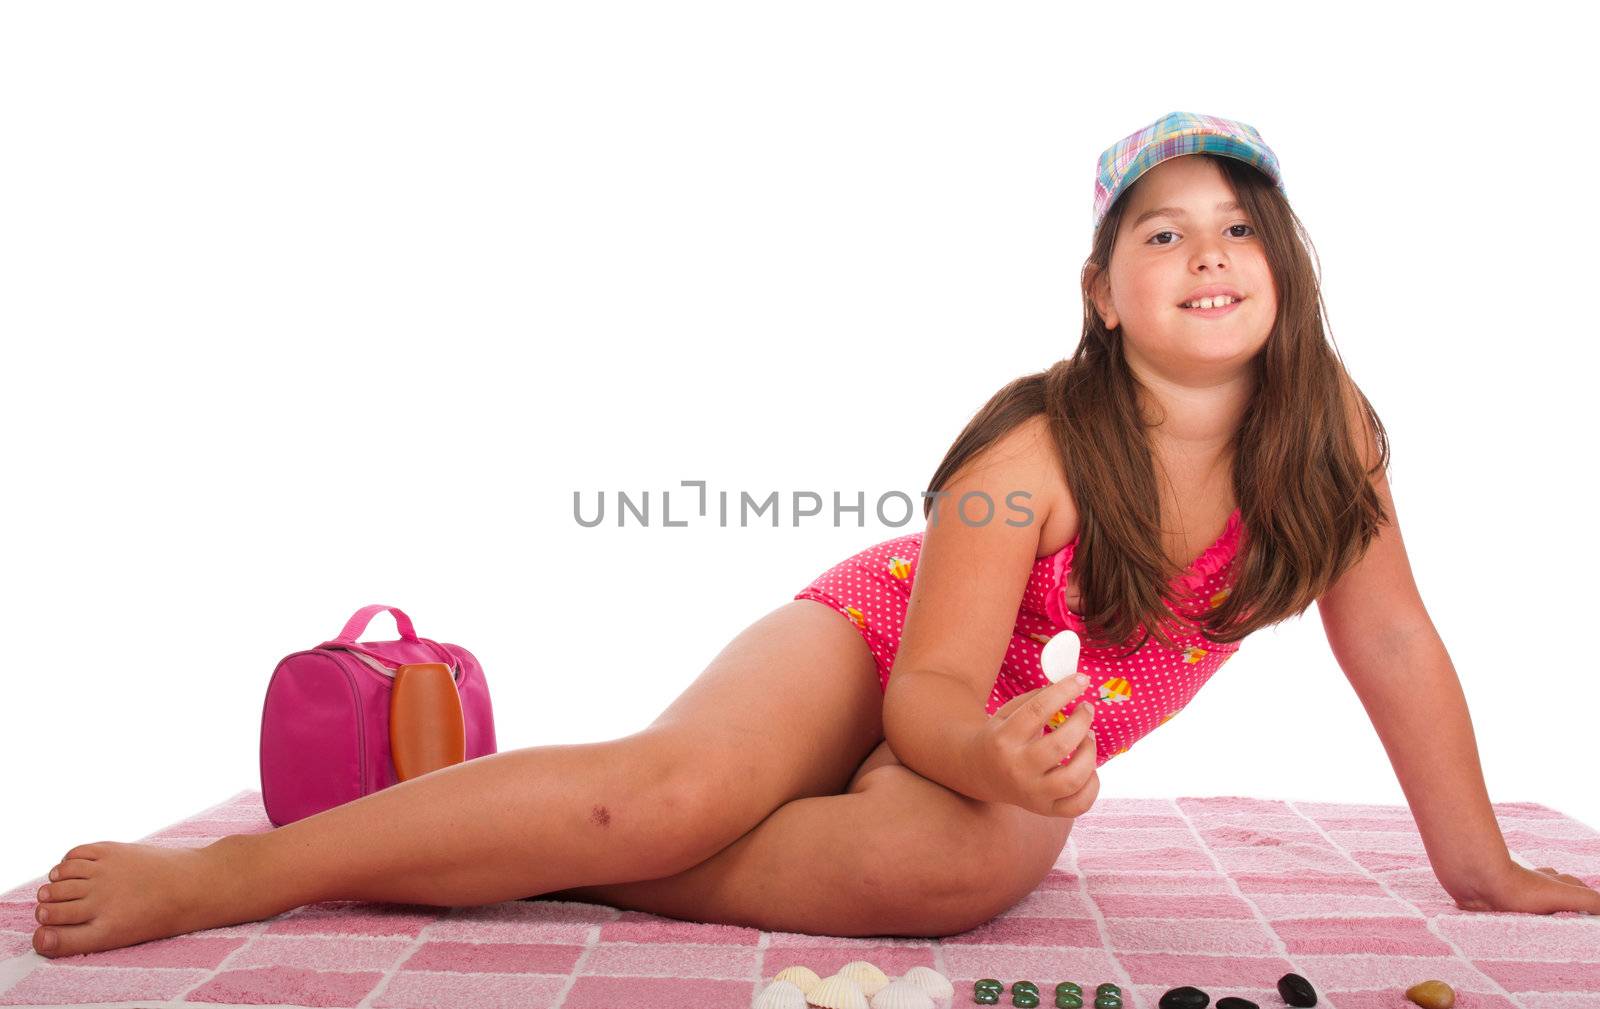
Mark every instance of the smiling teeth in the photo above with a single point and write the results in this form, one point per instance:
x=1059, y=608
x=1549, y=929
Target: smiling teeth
x=1210, y=302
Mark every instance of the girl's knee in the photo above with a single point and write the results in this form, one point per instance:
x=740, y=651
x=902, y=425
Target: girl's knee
x=969, y=860
x=922, y=843
x=672, y=809
x=1026, y=848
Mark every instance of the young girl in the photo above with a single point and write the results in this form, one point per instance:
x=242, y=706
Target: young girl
x=852, y=764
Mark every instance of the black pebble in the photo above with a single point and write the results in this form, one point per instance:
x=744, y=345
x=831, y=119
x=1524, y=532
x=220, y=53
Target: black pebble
x=1187, y=997
x=1297, y=991
x=1234, y=1002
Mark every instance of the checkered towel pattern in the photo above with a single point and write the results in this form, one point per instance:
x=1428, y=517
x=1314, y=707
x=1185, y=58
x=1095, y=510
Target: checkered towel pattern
x=1224, y=893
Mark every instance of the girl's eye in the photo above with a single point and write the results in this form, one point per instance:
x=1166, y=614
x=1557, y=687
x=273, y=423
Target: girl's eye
x=1152, y=240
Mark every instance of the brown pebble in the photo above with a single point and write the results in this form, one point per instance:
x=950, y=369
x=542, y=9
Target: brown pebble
x=1432, y=995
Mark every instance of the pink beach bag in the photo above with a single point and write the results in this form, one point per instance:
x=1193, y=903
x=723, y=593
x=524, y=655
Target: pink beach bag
x=325, y=723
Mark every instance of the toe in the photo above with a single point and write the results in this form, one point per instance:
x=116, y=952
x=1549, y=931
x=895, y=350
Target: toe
x=58, y=942
x=89, y=851
x=74, y=868
x=67, y=889
x=67, y=912
x=46, y=942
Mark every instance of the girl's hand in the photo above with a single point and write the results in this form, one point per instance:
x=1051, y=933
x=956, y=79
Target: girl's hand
x=1544, y=891
x=1029, y=768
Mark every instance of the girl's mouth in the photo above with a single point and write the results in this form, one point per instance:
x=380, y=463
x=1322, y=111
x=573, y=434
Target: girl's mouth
x=1212, y=313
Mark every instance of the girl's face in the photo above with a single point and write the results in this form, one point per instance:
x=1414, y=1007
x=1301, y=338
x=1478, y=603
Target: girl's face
x=1157, y=262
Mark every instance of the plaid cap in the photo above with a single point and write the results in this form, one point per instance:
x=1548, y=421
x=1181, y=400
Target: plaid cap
x=1173, y=135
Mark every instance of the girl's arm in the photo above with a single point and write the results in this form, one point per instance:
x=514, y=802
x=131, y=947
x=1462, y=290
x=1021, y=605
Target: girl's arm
x=970, y=579
x=1415, y=701
x=1383, y=639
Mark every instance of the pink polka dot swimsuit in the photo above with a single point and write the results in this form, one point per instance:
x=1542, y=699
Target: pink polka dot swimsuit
x=1132, y=695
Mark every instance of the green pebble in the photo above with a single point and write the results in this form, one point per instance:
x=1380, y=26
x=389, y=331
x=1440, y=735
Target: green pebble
x=1025, y=998
x=988, y=982
x=1107, y=988
x=1069, y=1000
x=986, y=996
x=1071, y=986
x=1025, y=986
x=1107, y=1001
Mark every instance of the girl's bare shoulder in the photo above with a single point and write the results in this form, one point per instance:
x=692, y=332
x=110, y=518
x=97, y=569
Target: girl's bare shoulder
x=1054, y=506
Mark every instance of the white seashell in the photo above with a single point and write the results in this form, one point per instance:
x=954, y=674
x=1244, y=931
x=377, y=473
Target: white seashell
x=781, y=994
x=868, y=976
x=1059, y=659
x=931, y=981
x=804, y=977
x=902, y=994
x=838, y=992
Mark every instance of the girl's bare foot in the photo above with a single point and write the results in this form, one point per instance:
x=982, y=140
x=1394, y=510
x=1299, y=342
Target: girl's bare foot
x=108, y=894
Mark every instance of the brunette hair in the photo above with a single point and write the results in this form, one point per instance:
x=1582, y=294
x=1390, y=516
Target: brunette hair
x=1299, y=475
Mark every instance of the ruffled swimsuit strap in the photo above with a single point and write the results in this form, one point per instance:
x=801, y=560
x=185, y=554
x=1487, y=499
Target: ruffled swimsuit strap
x=1055, y=601
x=1213, y=559
x=1216, y=556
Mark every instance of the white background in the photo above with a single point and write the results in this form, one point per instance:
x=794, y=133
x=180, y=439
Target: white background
x=309, y=306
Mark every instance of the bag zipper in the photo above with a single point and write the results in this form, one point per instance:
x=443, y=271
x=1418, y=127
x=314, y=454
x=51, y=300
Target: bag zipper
x=455, y=672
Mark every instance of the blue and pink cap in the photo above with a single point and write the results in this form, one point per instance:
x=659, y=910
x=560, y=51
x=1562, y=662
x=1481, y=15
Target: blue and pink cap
x=1174, y=135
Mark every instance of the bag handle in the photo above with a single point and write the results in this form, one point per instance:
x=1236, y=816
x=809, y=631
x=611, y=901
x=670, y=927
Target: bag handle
x=357, y=625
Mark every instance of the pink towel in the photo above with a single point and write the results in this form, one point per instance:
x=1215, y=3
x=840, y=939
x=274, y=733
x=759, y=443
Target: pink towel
x=1224, y=893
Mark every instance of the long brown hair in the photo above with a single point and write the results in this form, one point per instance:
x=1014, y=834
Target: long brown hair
x=1306, y=505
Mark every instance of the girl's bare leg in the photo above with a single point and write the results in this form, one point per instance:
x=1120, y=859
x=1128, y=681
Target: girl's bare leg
x=501, y=827
x=896, y=855
x=526, y=822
